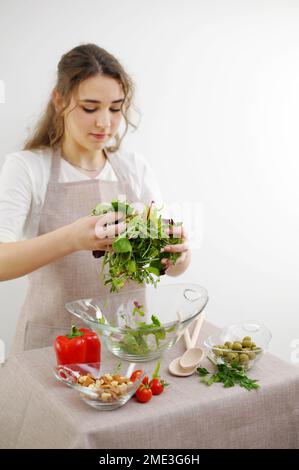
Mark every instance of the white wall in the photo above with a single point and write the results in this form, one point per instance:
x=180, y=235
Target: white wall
x=218, y=87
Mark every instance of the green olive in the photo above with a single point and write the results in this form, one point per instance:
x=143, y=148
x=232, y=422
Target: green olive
x=243, y=358
x=253, y=345
x=247, y=338
x=229, y=344
x=251, y=355
x=246, y=344
x=246, y=351
x=236, y=358
x=237, y=346
x=230, y=356
x=217, y=352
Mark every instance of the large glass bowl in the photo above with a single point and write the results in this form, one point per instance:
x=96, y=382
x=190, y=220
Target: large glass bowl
x=140, y=324
x=70, y=373
x=223, y=348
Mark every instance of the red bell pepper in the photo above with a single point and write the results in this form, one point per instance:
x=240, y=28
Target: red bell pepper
x=81, y=346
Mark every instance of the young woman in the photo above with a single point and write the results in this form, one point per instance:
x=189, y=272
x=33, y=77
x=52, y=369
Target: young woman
x=48, y=189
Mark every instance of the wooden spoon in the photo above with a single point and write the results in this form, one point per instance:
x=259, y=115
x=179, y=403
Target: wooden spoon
x=193, y=355
x=175, y=367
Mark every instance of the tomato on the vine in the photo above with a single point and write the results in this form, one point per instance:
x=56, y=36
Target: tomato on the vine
x=157, y=386
x=148, y=388
x=143, y=393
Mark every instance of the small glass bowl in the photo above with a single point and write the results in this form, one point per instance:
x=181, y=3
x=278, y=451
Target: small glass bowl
x=220, y=353
x=69, y=373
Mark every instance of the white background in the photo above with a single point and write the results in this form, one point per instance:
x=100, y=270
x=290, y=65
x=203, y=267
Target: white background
x=218, y=88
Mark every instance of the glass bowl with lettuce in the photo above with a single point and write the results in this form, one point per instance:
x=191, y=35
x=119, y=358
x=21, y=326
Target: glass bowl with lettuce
x=140, y=324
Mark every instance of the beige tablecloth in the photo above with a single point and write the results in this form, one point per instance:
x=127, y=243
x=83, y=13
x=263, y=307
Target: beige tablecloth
x=36, y=411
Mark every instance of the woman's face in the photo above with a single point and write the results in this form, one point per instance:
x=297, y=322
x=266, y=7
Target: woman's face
x=94, y=109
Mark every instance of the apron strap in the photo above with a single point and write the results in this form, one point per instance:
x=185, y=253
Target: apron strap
x=111, y=160
x=55, y=165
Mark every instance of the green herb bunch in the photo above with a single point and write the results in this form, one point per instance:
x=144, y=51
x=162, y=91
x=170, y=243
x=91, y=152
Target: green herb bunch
x=229, y=376
x=136, y=252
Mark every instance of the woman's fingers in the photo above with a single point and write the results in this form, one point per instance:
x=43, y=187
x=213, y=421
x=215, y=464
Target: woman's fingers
x=112, y=231
x=107, y=228
x=104, y=244
x=108, y=248
x=167, y=262
x=111, y=217
x=179, y=248
x=177, y=232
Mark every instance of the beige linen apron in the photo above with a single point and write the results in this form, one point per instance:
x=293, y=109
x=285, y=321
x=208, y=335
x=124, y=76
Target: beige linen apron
x=74, y=276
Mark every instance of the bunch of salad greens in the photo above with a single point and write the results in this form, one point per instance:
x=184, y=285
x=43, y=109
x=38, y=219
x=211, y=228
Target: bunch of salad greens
x=136, y=252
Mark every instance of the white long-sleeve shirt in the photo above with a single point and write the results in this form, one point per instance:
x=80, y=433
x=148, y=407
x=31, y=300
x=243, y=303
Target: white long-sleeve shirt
x=24, y=178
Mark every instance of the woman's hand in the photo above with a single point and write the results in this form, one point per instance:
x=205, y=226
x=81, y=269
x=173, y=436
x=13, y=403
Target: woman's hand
x=95, y=232
x=184, y=259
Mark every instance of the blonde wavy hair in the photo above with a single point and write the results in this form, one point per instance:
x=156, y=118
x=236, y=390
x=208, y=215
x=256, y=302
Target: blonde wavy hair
x=80, y=63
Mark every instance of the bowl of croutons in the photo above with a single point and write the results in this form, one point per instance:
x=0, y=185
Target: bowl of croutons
x=99, y=388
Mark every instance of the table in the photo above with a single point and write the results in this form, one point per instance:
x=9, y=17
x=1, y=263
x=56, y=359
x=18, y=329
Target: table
x=36, y=411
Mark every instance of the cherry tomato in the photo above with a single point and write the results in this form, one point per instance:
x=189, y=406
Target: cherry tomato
x=145, y=380
x=135, y=375
x=143, y=393
x=156, y=386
